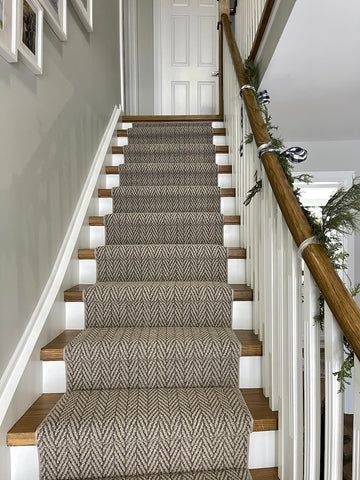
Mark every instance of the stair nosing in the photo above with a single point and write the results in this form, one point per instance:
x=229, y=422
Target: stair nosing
x=116, y=169
x=215, y=131
x=233, y=253
x=98, y=221
x=54, y=350
x=119, y=150
x=241, y=293
x=224, y=192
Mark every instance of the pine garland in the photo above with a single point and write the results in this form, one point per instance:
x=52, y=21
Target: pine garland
x=340, y=216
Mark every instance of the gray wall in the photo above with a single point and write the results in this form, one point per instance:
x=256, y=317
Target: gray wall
x=50, y=128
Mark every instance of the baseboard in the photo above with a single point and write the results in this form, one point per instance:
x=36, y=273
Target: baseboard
x=20, y=358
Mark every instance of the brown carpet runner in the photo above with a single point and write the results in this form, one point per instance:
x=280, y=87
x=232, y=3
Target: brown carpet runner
x=152, y=381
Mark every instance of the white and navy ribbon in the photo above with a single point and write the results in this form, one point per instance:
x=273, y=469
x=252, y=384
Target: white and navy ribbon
x=241, y=148
x=295, y=154
x=263, y=97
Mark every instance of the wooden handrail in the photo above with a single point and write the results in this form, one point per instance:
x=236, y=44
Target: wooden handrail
x=340, y=302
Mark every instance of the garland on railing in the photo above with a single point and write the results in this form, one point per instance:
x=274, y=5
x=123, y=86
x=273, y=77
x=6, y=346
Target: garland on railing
x=340, y=216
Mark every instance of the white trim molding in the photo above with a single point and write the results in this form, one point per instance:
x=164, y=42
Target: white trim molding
x=21, y=356
x=131, y=57
x=157, y=57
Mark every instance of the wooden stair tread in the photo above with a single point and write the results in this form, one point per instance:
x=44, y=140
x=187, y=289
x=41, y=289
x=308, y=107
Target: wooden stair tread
x=54, y=351
x=116, y=169
x=23, y=432
x=215, y=131
x=170, y=118
x=264, y=418
x=224, y=192
x=97, y=221
x=251, y=346
x=233, y=253
x=218, y=149
x=264, y=474
x=241, y=293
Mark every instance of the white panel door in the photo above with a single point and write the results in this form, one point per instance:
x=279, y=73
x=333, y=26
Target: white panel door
x=189, y=57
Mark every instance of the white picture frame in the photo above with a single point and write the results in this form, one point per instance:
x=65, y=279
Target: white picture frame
x=56, y=19
x=85, y=13
x=33, y=60
x=9, y=30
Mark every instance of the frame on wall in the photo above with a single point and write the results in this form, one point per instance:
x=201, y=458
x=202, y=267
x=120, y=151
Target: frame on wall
x=8, y=30
x=30, y=44
x=56, y=16
x=84, y=9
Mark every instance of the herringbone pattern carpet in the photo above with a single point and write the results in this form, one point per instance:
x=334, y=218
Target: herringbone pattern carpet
x=168, y=228
x=158, y=304
x=170, y=153
x=152, y=381
x=152, y=357
x=169, y=174
x=148, y=199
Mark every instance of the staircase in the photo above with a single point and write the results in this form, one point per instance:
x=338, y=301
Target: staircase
x=145, y=380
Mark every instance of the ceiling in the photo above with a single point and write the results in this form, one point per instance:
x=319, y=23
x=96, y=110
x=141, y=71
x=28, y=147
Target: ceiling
x=314, y=76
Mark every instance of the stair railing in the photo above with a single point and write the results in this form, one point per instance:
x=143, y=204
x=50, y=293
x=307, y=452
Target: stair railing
x=286, y=271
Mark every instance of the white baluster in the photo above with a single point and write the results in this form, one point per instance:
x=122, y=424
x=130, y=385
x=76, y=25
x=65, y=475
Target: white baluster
x=356, y=427
x=312, y=393
x=296, y=374
x=334, y=417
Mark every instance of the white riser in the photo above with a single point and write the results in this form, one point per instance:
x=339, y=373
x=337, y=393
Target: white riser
x=54, y=379
x=263, y=449
x=121, y=141
x=236, y=271
x=110, y=181
x=227, y=206
x=262, y=454
x=231, y=236
x=241, y=315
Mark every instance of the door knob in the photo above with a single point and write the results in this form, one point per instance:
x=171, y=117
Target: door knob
x=214, y=74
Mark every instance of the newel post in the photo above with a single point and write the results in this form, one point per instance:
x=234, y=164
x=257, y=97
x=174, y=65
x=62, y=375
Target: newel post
x=224, y=7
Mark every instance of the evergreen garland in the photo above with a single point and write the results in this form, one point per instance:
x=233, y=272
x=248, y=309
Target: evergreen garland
x=340, y=216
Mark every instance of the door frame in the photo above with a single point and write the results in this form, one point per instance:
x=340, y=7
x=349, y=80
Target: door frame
x=157, y=15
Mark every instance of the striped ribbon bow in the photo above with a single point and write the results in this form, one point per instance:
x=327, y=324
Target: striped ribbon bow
x=263, y=97
x=295, y=154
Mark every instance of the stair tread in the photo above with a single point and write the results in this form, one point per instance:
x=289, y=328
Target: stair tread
x=116, y=169
x=54, y=350
x=233, y=253
x=118, y=150
x=107, y=192
x=215, y=131
x=240, y=293
x=23, y=432
x=98, y=221
x=265, y=474
x=170, y=118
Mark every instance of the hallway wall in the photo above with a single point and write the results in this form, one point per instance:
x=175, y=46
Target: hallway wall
x=50, y=128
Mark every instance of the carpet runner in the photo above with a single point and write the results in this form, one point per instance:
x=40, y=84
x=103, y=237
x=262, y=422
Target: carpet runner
x=152, y=381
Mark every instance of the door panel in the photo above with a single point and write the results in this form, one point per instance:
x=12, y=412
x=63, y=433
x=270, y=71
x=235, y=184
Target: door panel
x=189, y=56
